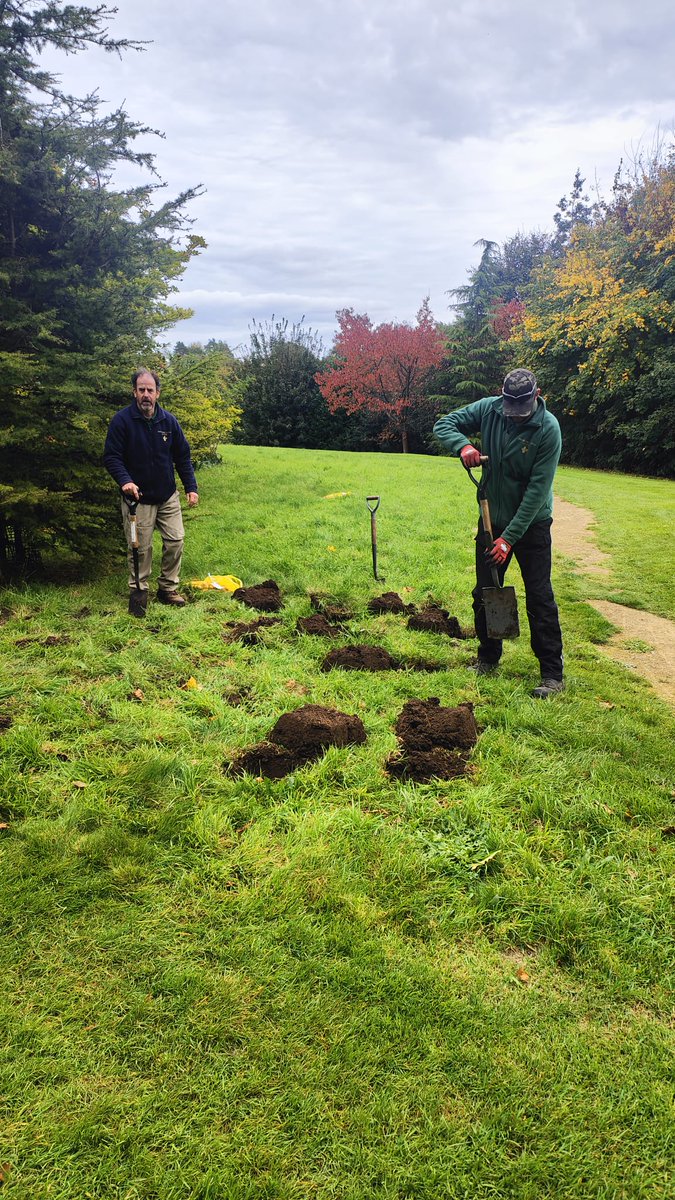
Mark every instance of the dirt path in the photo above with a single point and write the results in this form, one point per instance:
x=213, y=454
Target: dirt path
x=645, y=643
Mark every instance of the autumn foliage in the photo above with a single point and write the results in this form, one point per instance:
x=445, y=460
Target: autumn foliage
x=600, y=324
x=383, y=368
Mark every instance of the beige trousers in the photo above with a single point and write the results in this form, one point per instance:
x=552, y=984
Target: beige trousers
x=168, y=519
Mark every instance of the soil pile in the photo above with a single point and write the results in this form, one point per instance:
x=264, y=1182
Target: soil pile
x=360, y=658
x=435, y=741
x=310, y=729
x=318, y=625
x=434, y=619
x=247, y=633
x=389, y=602
x=297, y=738
x=264, y=759
x=266, y=596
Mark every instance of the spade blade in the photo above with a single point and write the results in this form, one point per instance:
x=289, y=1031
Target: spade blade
x=501, y=612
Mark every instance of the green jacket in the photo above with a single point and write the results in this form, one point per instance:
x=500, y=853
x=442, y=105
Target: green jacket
x=523, y=460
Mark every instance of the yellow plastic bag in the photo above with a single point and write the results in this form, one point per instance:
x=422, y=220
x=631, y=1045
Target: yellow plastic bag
x=336, y=495
x=220, y=583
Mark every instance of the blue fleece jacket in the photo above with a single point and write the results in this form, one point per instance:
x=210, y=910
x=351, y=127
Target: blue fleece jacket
x=146, y=452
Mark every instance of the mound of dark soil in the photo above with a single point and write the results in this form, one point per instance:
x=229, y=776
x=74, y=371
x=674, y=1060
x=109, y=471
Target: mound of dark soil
x=422, y=724
x=389, y=602
x=332, y=611
x=360, y=658
x=423, y=765
x=240, y=631
x=318, y=625
x=266, y=759
x=297, y=738
x=310, y=729
x=5, y=721
x=434, y=619
x=435, y=741
x=266, y=596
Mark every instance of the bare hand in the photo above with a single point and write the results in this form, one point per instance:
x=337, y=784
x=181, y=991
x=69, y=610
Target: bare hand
x=192, y=499
x=130, y=489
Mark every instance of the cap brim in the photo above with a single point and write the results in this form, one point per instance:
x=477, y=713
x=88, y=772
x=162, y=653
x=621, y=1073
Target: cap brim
x=518, y=408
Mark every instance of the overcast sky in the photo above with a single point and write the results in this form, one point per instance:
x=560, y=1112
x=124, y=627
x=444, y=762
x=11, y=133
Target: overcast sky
x=353, y=151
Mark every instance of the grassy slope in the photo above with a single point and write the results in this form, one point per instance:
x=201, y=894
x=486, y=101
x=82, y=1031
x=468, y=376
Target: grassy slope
x=310, y=988
x=634, y=517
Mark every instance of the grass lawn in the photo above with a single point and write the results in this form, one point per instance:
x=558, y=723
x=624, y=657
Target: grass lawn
x=335, y=984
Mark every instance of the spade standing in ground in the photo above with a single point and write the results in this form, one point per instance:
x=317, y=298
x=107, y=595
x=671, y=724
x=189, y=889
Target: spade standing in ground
x=144, y=445
x=522, y=441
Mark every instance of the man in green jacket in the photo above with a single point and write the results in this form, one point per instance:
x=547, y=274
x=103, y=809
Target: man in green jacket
x=522, y=441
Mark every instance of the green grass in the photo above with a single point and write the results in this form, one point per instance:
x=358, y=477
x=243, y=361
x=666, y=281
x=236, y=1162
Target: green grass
x=235, y=988
x=633, y=519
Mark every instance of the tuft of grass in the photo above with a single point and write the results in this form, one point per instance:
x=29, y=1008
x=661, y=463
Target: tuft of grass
x=333, y=984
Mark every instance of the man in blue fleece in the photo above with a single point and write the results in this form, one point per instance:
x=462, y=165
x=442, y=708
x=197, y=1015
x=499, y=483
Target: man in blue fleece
x=143, y=445
x=522, y=441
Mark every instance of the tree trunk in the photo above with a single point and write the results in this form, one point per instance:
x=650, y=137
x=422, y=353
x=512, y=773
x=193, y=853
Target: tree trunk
x=404, y=440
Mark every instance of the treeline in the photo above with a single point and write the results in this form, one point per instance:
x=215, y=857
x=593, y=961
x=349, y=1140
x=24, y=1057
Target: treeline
x=589, y=306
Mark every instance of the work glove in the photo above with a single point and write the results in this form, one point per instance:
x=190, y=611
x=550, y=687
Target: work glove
x=470, y=456
x=500, y=551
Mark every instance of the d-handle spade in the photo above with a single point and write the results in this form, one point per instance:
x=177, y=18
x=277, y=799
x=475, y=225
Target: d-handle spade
x=499, y=603
x=132, y=505
x=373, y=503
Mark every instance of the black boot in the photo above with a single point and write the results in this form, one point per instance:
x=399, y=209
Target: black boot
x=138, y=602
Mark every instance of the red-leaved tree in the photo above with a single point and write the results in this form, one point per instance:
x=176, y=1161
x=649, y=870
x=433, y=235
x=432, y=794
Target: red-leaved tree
x=382, y=368
x=506, y=317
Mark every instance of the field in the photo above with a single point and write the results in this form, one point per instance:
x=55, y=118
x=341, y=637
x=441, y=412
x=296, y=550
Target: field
x=335, y=984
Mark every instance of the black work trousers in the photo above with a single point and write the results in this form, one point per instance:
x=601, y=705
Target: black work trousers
x=533, y=555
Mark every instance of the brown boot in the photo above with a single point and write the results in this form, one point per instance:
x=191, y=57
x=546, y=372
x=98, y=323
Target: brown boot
x=138, y=602
x=173, y=598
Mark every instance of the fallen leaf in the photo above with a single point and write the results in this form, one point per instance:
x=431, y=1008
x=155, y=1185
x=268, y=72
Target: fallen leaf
x=190, y=685
x=4, y=825
x=483, y=861
x=79, y=783
x=522, y=975
x=332, y=548
x=137, y=694
x=5, y=1169
x=606, y=704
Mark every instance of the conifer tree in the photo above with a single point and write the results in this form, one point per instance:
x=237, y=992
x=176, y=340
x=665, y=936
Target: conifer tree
x=85, y=273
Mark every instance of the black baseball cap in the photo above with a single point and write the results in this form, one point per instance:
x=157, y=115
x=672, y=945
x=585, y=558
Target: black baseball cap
x=519, y=393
